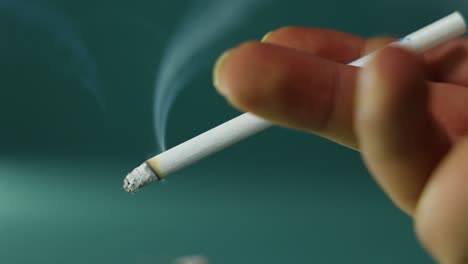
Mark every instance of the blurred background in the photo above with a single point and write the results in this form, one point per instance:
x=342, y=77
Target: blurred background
x=80, y=107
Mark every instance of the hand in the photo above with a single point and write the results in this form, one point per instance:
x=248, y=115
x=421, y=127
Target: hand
x=406, y=114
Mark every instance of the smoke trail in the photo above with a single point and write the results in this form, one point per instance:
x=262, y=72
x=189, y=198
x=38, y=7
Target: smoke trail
x=78, y=61
x=205, y=24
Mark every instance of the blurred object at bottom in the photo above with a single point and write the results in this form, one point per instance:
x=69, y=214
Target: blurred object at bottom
x=191, y=260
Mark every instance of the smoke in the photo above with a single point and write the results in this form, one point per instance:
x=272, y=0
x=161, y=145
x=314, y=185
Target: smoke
x=204, y=25
x=71, y=55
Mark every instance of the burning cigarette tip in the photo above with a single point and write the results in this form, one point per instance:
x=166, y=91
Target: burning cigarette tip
x=139, y=177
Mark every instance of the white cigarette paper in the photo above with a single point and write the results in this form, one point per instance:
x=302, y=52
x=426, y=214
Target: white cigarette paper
x=247, y=124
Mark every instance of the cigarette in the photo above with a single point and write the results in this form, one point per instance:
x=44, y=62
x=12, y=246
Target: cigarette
x=246, y=125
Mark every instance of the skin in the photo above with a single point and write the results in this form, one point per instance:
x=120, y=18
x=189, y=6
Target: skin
x=406, y=114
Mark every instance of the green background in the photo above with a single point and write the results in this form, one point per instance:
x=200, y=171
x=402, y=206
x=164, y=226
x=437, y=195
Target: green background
x=76, y=114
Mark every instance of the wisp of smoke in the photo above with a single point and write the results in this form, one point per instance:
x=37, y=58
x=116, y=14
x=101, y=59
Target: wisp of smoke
x=77, y=60
x=205, y=24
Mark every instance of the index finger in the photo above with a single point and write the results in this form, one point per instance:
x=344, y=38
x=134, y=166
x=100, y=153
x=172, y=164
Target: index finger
x=291, y=88
x=305, y=66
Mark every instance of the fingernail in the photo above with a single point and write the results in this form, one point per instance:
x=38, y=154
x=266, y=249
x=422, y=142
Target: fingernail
x=217, y=72
x=267, y=35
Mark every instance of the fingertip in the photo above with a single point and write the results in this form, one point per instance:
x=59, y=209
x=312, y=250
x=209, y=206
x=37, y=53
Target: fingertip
x=242, y=75
x=217, y=70
x=234, y=70
x=272, y=36
x=267, y=36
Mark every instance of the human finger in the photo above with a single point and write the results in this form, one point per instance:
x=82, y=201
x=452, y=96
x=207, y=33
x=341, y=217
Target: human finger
x=398, y=137
x=441, y=217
